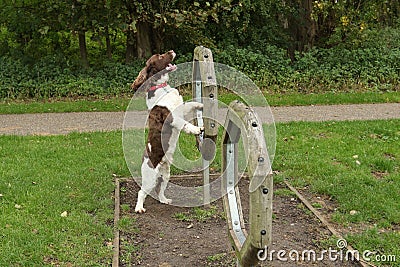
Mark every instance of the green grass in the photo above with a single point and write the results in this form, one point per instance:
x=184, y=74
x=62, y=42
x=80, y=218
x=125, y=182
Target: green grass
x=357, y=164
x=332, y=98
x=63, y=105
x=284, y=192
x=41, y=178
x=197, y=214
x=121, y=103
x=340, y=159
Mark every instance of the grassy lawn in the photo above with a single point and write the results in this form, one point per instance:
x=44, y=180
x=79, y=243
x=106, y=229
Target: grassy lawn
x=56, y=199
x=121, y=103
x=355, y=164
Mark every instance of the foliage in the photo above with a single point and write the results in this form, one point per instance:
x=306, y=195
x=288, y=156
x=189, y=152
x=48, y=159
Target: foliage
x=50, y=27
x=346, y=46
x=47, y=79
x=374, y=68
x=318, y=70
x=346, y=22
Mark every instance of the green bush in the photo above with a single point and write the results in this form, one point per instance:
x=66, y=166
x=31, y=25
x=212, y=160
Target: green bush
x=318, y=70
x=47, y=79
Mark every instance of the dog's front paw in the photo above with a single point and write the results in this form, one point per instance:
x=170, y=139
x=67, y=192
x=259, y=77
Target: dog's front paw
x=201, y=130
x=192, y=129
x=198, y=106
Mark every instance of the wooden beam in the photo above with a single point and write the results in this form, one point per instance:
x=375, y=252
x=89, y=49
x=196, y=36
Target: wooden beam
x=243, y=121
x=205, y=91
x=203, y=58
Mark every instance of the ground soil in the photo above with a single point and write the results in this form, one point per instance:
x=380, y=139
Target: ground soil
x=160, y=239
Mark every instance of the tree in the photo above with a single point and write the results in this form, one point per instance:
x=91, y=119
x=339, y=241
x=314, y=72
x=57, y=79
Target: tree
x=339, y=20
x=150, y=24
x=22, y=19
x=301, y=26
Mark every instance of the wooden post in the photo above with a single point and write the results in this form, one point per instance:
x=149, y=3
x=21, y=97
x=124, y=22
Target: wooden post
x=243, y=121
x=205, y=91
x=203, y=59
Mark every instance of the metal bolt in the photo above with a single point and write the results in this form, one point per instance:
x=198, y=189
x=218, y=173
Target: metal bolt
x=231, y=192
x=209, y=77
x=260, y=159
x=206, y=56
x=263, y=232
x=254, y=124
x=211, y=95
x=265, y=190
x=236, y=222
x=212, y=125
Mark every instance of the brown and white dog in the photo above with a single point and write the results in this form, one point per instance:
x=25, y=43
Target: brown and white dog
x=165, y=121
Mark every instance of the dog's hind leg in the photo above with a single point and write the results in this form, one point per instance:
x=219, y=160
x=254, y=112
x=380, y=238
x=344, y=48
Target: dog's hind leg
x=165, y=175
x=140, y=202
x=149, y=182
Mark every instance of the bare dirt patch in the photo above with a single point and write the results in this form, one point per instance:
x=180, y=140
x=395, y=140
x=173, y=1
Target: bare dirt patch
x=175, y=236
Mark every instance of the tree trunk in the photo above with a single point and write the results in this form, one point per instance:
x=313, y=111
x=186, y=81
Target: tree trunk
x=83, y=49
x=143, y=37
x=130, y=46
x=108, y=44
x=157, y=41
x=302, y=27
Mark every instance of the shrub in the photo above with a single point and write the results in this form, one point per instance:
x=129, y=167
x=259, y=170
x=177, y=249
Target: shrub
x=47, y=79
x=318, y=70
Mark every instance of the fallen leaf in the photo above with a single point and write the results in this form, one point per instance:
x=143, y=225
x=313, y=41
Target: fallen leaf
x=190, y=226
x=17, y=206
x=353, y=212
x=64, y=214
x=110, y=244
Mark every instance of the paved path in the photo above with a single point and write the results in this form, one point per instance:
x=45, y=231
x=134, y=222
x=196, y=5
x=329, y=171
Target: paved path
x=63, y=123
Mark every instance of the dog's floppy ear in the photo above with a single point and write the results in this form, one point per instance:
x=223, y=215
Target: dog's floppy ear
x=145, y=73
x=141, y=78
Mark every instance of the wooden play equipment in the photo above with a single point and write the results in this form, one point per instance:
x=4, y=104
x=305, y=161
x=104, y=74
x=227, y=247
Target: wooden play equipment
x=205, y=91
x=241, y=121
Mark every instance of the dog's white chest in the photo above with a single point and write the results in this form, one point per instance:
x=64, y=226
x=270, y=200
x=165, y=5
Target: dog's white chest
x=166, y=97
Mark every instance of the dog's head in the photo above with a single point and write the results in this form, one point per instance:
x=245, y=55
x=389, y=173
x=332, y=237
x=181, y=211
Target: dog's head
x=155, y=64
